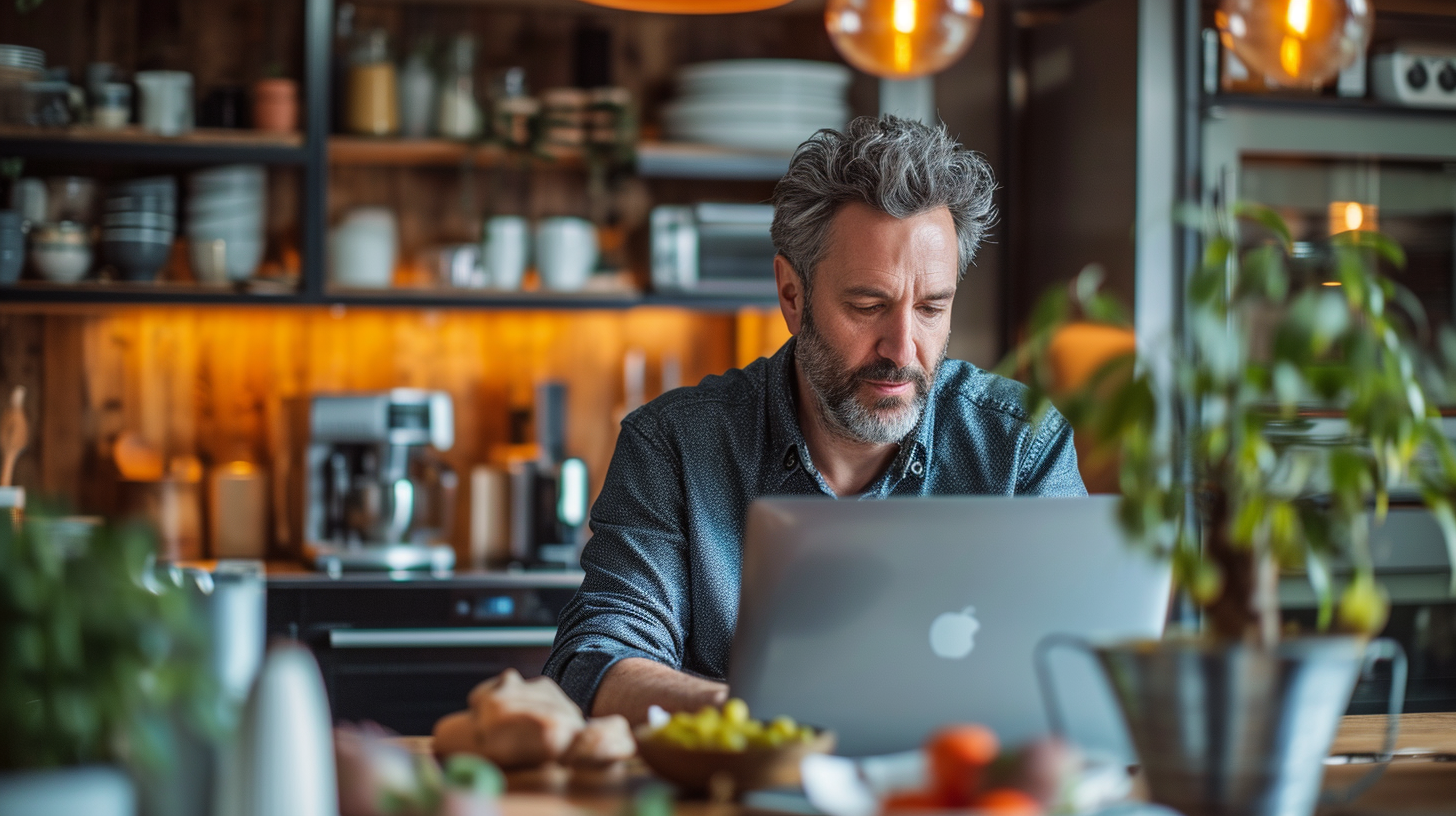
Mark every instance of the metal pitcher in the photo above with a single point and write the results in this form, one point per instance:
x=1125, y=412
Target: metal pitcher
x=1224, y=729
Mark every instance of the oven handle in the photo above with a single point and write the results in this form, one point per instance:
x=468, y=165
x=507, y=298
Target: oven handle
x=436, y=638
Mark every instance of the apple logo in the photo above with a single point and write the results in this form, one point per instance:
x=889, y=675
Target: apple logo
x=953, y=634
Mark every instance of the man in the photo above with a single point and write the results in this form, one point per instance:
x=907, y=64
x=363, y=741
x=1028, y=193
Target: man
x=874, y=228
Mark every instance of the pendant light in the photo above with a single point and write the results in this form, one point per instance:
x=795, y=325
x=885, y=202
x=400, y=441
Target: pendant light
x=689, y=6
x=1296, y=43
x=902, y=39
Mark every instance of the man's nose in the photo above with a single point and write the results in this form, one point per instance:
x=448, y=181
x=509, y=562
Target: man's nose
x=897, y=338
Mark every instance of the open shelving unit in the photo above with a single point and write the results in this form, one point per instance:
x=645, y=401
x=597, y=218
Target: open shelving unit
x=314, y=152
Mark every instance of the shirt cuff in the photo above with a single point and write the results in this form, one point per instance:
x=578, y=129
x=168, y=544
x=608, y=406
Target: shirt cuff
x=582, y=673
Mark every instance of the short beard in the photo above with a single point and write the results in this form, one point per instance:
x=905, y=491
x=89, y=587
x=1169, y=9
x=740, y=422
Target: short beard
x=835, y=388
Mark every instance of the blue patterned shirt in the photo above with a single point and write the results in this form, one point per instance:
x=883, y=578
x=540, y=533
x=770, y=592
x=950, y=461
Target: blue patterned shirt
x=662, y=566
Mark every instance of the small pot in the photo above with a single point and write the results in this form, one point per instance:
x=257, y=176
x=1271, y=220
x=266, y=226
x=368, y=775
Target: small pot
x=275, y=105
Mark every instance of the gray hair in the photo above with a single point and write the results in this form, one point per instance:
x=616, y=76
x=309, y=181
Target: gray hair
x=898, y=166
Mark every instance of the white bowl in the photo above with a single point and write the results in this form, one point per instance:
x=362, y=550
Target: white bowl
x=830, y=76
x=757, y=110
x=138, y=235
x=62, y=263
x=143, y=219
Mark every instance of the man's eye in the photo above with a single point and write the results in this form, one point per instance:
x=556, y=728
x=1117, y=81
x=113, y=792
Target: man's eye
x=870, y=309
x=931, y=311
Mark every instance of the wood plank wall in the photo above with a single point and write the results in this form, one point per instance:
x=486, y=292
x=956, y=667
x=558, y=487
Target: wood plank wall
x=211, y=383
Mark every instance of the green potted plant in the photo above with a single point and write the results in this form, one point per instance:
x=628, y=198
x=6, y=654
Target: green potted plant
x=1219, y=473
x=102, y=658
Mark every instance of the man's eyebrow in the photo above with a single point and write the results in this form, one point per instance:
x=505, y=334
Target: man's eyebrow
x=948, y=294
x=880, y=294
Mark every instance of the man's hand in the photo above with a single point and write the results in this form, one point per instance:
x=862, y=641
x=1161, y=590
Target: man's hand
x=635, y=683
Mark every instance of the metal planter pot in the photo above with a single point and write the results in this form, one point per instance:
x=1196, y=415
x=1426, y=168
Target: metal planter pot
x=1224, y=729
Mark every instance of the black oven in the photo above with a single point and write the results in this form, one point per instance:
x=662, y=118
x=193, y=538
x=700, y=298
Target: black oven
x=405, y=652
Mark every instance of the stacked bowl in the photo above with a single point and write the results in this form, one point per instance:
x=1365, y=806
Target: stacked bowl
x=757, y=104
x=139, y=225
x=19, y=66
x=225, y=222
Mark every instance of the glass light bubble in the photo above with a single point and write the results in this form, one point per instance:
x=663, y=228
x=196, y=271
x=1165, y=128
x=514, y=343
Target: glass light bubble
x=1296, y=43
x=902, y=39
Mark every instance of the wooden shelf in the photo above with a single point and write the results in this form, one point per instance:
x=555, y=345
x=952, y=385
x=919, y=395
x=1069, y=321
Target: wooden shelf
x=654, y=159
x=29, y=294
x=390, y=152
x=132, y=144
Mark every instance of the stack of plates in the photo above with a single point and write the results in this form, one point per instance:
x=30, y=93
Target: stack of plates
x=757, y=104
x=225, y=222
x=139, y=225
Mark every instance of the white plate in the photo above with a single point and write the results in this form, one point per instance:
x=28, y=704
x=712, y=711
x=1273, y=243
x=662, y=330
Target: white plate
x=747, y=137
x=764, y=110
x=825, y=74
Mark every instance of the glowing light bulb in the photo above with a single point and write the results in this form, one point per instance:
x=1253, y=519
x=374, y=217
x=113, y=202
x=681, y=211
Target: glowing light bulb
x=902, y=39
x=1296, y=43
x=903, y=16
x=1297, y=17
x=1354, y=216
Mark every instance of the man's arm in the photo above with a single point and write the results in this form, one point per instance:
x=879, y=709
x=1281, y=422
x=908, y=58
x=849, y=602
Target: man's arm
x=633, y=604
x=633, y=684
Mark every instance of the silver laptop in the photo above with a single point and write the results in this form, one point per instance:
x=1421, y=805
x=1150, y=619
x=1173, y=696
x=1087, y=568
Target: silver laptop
x=884, y=620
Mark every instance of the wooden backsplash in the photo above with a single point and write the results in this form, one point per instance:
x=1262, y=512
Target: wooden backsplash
x=211, y=382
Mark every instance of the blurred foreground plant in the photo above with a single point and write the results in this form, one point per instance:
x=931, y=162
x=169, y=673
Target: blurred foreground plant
x=99, y=650
x=1219, y=468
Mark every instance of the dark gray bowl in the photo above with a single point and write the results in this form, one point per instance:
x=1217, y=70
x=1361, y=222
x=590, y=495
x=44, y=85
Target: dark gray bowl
x=138, y=262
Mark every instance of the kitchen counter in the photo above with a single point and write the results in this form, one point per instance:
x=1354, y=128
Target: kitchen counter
x=1410, y=785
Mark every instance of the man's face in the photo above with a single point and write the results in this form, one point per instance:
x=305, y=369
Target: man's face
x=877, y=323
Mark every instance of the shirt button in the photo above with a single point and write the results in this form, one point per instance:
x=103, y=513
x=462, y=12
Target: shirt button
x=916, y=468
x=791, y=460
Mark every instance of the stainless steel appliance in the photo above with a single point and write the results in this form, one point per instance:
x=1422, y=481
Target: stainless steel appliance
x=369, y=489
x=549, y=494
x=1422, y=76
x=713, y=249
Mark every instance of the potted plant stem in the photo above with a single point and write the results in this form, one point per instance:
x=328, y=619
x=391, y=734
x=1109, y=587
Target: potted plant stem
x=1219, y=474
x=102, y=659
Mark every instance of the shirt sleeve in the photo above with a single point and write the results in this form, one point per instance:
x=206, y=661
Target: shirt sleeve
x=633, y=600
x=1050, y=468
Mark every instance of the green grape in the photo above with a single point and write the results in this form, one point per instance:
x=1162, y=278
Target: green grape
x=731, y=741
x=735, y=711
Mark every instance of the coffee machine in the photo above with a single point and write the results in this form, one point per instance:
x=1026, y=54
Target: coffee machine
x=549, y=493
x=368, y=490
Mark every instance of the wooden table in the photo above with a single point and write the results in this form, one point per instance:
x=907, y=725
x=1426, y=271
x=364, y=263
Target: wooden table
x=1419, y=782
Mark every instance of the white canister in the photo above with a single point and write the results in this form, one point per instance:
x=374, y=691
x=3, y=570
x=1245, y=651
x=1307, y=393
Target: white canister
x=566, y=252
x=362, y=249
x=166, y=106
x=503, y=252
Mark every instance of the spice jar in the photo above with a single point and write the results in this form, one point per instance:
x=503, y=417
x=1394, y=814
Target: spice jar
x=459, y=115
x=275, y=105
x=563, y=121
x=373, y=87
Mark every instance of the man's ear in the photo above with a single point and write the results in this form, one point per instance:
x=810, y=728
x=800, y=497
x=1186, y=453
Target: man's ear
x=791, y=293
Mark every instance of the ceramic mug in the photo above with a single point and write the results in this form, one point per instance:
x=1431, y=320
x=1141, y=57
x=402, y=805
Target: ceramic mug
x=566, y=252
x=362, y=249
x=166, y=106
x=503, y=253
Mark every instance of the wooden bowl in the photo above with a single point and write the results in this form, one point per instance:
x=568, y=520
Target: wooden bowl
x=693, y=770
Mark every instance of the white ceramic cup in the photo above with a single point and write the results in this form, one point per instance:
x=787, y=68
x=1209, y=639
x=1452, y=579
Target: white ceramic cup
x=28, y=197
x=166, y=101
x=566, y=252
x=362, y=249
x=503, y=252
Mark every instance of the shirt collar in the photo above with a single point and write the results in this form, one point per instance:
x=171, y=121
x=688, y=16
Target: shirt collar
x=791, y=451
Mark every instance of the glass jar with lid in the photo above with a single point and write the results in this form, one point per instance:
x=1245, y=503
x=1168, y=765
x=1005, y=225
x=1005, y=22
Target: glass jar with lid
x=458, y=111
x=373, y=87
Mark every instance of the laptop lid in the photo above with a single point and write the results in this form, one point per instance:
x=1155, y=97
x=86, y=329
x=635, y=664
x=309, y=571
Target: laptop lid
x=884, y=620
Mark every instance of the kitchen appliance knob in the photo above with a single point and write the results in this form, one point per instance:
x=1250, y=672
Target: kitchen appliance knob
x=1447, y=78
x=1417, y=76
